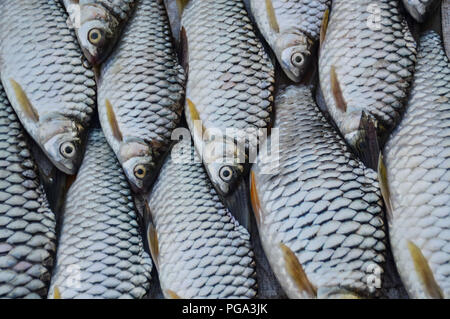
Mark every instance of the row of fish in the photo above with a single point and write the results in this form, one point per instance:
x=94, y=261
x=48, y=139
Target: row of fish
x=320, y=214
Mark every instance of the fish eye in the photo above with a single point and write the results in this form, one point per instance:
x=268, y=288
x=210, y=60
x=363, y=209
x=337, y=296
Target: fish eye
x=226, y=173
x=95, y=36
x=67, y=149
x=297, y=59
x=140, y=171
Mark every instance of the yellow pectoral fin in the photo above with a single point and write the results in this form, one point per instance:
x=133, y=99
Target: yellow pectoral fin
x=384, y=187
x=337, y=91
x=324, y=26
x=112, y=121
x=153, y=243
x=24, y=103
x=172, y=295
x=271, y=16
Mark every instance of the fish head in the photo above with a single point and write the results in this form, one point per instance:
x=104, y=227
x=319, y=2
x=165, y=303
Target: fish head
x=62, y=143
x=137, y=162
x=294, y=54
x=223, y=166
x=97, y=33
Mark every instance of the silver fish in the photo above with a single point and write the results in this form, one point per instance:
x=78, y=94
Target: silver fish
x=366, y=65
x=318, y=208
x=420, y=9
x=140, y=94
x=100, y=252
x=417, y=177
x=27, y=225
x=44, y=78
x=292, y=29
x=98, y=24
x=230, y=86
x=199, y=249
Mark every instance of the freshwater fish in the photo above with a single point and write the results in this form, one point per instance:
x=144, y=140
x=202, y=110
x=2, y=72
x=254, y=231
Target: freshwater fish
x=140, y=94
x=98, y=24
x=417, y=177
x=229, y=90
x=44, y=77
x=318, y=209
x=420, y=9
x=366, y=64
x=199, y=249
x=27, y=224
x=292, y=29
x=100, y=251
x=445, y=12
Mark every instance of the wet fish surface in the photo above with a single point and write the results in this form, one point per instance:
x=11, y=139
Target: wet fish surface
x=27, y=225
x=318, y=208
x=45, y=80
x=420, y=9
x=98, y=24
x=445, y=11
x=417, y=171
x=200, y=250
x=292, y=29
x=366, y=65
x=229, y=86
x=140, y=94
x=100, y=252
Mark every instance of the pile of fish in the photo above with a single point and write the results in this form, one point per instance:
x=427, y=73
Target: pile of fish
x=244, y=148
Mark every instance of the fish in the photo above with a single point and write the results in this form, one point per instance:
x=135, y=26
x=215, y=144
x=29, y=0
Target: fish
x=416, y=177
x=141, y=94
x=27, y=224
x=318, y=208
x=45, y=79
x=420, y=9
x=199, y=249
x=445, y=12
x=366, y=64
x=100, y=251
x=229, y=89
x=292, y=29
x=98, y=25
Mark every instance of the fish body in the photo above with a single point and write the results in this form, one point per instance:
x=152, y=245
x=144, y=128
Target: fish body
x=229, y=86
x=199, y=249
x=292, y=29
x=50, y=89
x=140, y=93
x=366, y=65
x=419, y=9
x=445, y=12
x=98, y=24
x=27, y=225
x=100, y=251
x=417, y=159
x=318, y=208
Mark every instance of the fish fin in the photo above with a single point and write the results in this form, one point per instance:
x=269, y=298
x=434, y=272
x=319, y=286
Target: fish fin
x=238, y=203
x=337, y=91
x=112, y=121
x=272, y=17
x=324, y=26
x=184, y=44
x=256, y=204
x=153, y=244
x=424, y=272
x=384, y=187
x=296, y=271
x=56, y=293
x=25, y=105
x=195, y=116
x=181, y=4
x=367, y=145
x=172, y=294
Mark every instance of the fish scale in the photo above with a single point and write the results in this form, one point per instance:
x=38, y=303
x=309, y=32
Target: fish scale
x=44, y=77
x=27, y=225
x=417, y=164
x=202, y=251
x=316, y=198
x=100, y=252
x=143, y=82
x=373, y=53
